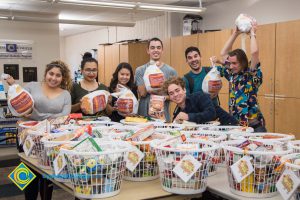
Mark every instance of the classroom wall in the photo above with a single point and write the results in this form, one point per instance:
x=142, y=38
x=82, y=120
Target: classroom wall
x=217, y=16
x=45, y=47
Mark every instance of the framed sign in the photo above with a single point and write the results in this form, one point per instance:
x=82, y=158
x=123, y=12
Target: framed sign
x=29, y=74
x=12, y=69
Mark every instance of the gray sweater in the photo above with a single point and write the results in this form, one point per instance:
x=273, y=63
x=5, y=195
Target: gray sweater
x=44, y=107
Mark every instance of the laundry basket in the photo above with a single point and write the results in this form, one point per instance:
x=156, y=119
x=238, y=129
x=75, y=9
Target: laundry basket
x=295, y=145
x=35, y=137
x=292, y=162
x=214, y=136
x=52, y=145
x=183, y=167
x=110, y=133
x=97, y=123
x=147, y=167
x=265, y=159
x=97, y=174
x=228, y=130
x=263, y=136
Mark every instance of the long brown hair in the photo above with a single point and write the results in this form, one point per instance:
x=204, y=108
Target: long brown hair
x=65, y=72
x=241, y=57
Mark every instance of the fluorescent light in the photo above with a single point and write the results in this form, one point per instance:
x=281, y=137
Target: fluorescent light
x=118, y=4
x=170, y=8
x=3, y=17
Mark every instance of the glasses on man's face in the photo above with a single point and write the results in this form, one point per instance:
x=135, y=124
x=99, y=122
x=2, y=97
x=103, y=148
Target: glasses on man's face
x=87, y=71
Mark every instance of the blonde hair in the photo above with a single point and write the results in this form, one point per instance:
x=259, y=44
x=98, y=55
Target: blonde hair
x=66, y=82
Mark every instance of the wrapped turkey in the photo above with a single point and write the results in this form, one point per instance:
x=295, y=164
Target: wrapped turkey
x=94, y=102
x=212, y=83
x=244, y=22
x=127, y=102
x=153, y=77
x=19, y=101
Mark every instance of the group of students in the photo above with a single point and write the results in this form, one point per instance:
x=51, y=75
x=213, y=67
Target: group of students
x=57, y=96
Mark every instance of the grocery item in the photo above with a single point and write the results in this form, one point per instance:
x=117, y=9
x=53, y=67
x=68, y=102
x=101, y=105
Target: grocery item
x=126, y=103
x=244, y=22
x=136, y=119
x=19, y=101
x=94, y=102
x=212, y=81
x=153, y=77
x=156, y=107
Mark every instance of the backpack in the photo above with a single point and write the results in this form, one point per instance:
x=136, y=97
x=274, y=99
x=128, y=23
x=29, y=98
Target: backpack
x=191, y=81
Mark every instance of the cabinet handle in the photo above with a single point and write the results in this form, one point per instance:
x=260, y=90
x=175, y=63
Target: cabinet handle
x=280, y=98
x=269, y=95
x=280, y=95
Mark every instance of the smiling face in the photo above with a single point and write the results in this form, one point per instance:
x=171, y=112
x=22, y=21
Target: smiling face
x=123, y=76
x=155, y=50
x=194, y=60
x=90, y=71
x=235, y=66
x=177, y=93
x=53, y=77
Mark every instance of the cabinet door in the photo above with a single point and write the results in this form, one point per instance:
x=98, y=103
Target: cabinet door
x=286, y=116
x=224, y=98
x=101, y=63
x=124, y=53
x=206, y=45
x=220, y=38
x=266, y=104
x=287, y=82
x=177, y=55
x=266, y=44
x=137, y=54
x=112, y=59
x=166, y=56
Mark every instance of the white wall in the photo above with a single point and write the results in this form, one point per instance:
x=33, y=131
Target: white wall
x=74, y=46
x=218, y=16
x=222, y=15
x=45, y=47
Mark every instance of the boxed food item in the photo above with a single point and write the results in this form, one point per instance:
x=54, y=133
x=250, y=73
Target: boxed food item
x=19, y=101
x=94, y=102
x=156, y=107
x=142, y=133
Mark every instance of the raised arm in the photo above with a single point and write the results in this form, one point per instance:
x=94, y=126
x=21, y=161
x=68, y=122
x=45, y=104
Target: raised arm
x=254, y=47
x=228, y=45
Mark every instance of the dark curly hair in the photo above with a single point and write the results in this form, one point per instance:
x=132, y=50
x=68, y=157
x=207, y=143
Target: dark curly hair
x=114, y=80
x=65, y=72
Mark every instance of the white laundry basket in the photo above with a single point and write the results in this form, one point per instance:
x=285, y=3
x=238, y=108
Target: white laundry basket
x=261, y=183
x=189, y=160
x=97, y=174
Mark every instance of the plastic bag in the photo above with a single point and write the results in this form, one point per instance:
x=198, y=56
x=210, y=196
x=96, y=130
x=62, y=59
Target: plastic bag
x=244, y=22
x=127, y=102
x=156, y=107
x=20, y=102
x=153, y=77
x=94, y=102
x=212, y=81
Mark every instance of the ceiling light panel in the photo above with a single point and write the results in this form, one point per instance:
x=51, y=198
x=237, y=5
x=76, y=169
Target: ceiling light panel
x=118, y=4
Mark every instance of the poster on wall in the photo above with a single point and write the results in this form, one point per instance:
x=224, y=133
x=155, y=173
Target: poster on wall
x=12, y=69
x=29, y=74
x=16, y=49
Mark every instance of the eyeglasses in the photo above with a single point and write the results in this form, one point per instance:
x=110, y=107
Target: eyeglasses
x=90, y=71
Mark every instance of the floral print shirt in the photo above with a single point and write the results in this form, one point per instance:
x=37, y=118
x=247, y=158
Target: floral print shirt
x=243, y=88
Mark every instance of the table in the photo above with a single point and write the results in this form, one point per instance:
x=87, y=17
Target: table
x=218, y=184
x=129, y=190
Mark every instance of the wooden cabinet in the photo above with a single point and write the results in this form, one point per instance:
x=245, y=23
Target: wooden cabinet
x=286, y=116
x=266, y=104
x=224, y=101
x=287, y=82
x=111, y=55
